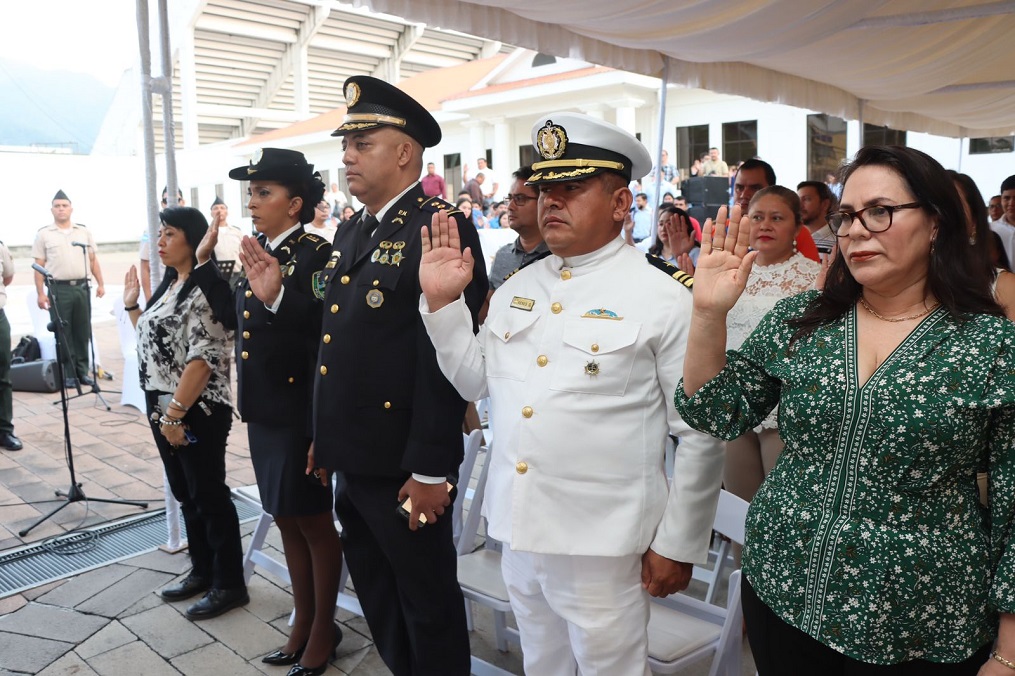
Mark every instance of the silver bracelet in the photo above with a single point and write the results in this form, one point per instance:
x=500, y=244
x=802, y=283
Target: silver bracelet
x=174, y=402
x=163, y=420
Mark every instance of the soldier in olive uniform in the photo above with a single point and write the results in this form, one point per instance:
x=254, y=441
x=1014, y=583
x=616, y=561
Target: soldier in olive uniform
x=278, y=330
x=384, y=415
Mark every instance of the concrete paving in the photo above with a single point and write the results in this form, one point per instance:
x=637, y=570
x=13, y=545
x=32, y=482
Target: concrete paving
x=110, y=621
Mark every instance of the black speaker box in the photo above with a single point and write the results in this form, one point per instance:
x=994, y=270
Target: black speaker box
x=693, y=190
x=35, y=376
x=717, y=190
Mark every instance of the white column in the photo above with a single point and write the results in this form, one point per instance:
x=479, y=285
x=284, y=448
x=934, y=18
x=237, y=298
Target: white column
x=477, y=144
x=188, y=89
x=626, y=117
x=504, y=161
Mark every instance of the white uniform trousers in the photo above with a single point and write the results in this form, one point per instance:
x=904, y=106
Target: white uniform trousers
x=584, y=613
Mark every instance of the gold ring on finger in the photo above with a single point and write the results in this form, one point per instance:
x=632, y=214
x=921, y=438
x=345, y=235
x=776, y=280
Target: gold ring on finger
x=717, y=248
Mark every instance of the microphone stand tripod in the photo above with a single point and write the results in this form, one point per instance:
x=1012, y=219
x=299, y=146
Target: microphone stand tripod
x=74, y=493
x=96, y=390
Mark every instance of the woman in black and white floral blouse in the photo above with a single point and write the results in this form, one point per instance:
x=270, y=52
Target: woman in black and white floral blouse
x=183, y=355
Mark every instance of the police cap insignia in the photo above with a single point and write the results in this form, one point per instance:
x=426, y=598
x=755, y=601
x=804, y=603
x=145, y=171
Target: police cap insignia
x=351, y=94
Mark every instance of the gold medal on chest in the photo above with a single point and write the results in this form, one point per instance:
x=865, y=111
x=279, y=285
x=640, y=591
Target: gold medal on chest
x=592, y=368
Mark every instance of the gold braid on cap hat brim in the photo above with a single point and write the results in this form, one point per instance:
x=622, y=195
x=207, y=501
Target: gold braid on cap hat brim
x=374, y=118
x=599, y=164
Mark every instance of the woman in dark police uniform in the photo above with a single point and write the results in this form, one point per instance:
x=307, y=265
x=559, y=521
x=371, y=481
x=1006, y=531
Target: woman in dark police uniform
x=276, y=352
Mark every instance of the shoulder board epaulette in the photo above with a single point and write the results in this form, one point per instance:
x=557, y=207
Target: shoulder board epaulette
x=433, y=204
x=526, y=264
x=81, y=224
x=671, y=269
x=314, y=239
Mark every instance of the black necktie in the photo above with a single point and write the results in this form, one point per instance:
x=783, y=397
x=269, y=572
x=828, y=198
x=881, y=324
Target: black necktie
x=366, y=232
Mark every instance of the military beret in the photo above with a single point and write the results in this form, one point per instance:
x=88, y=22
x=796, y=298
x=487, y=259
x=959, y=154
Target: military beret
x=575, y=147
x=373, y=103
x=275, y=164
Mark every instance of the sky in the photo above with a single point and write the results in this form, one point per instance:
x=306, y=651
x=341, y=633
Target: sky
x=98, y=37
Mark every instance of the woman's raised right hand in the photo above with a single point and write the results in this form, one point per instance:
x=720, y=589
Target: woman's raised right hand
x=131, y=288
x=724, y=263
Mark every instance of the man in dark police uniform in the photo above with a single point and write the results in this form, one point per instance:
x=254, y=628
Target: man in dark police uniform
x=385, y=417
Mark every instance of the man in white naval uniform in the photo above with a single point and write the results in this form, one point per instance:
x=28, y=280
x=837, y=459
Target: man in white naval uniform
x=580, y=355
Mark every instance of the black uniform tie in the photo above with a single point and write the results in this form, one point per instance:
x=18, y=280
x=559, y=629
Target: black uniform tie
x=366, y=233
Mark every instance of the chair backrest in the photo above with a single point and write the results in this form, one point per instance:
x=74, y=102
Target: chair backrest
x=730, y=515
x=472, y=442
x=470, y=527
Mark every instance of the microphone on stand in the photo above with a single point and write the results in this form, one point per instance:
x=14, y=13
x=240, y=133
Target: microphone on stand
x=41, y=270
x=80, y=244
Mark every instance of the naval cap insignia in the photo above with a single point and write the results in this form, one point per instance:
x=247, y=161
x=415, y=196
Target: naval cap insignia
x=351, y=94
x=551, y=141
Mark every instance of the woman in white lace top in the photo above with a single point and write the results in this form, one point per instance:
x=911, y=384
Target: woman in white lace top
x=779, y=272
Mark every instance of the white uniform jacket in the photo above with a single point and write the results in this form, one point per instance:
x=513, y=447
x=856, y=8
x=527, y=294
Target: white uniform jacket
x=581, y=357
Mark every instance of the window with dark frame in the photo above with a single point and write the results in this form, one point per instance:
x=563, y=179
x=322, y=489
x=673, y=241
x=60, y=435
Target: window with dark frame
x=988, y=145
x=873, y=135
x=826, y=145
x=453, y=172
x=692, y=143
x=739, y=141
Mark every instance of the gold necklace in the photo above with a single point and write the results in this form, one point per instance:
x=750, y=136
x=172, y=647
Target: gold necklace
x=871, y=310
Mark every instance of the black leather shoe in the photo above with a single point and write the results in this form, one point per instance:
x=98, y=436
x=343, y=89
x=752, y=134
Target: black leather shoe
x=279, y=658
x=87, y=380
x=300, y=670
x=71, y=383
x=218, y=601
x=10, y=442
x=185, y=588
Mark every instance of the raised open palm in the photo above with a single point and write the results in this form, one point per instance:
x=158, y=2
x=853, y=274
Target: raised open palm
x=444, y=270
x=724, y=263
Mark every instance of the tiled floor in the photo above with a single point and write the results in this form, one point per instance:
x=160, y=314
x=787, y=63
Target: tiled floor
x=110, y=621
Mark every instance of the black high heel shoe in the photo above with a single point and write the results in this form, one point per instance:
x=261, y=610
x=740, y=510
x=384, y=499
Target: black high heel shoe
x=279, y=658
x=300, y=670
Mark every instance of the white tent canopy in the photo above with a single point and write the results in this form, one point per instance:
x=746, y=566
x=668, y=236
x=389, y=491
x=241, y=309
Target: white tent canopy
x=944, y=67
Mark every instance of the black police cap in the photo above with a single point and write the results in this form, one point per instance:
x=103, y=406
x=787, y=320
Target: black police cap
x=274, y=164
x=373, y=103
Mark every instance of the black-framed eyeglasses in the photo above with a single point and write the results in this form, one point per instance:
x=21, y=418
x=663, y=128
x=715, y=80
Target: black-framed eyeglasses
x=878, y=218
x=519, y=199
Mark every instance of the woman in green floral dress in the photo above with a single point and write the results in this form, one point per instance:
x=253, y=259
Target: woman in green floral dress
x=867, y=549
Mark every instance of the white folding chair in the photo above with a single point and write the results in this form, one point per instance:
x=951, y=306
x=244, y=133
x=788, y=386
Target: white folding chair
x=481, y=580
x=683, y=630
x=130, y=380
x=256, y=556
x=472, y=441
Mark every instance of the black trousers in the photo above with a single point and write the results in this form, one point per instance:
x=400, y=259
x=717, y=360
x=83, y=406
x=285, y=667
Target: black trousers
x=197, y=477
x=407, y=582
x=781, y=649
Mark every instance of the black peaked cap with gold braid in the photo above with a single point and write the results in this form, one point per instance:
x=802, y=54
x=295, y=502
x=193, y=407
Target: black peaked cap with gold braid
x=373, y=103
x=574, y=147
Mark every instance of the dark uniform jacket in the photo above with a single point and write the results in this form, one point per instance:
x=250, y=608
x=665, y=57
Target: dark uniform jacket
x=382, y=407
x=275, y=353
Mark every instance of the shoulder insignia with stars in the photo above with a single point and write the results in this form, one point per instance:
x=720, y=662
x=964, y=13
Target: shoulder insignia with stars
x=671, y=269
